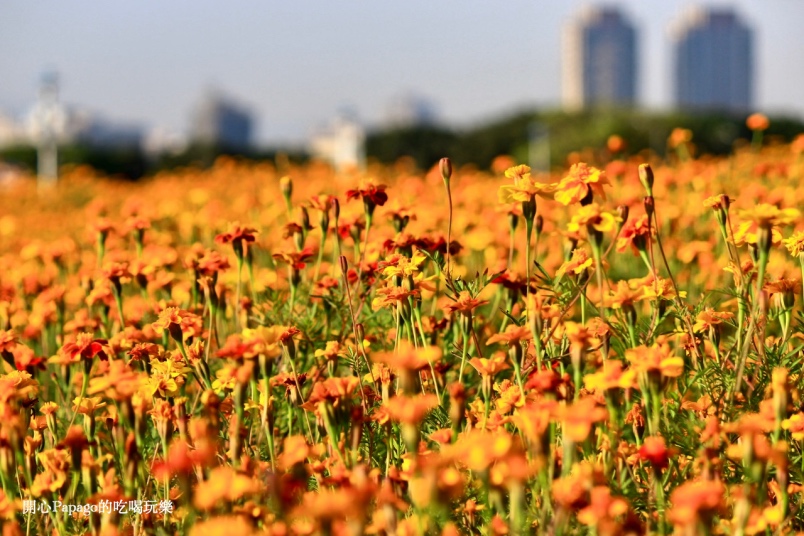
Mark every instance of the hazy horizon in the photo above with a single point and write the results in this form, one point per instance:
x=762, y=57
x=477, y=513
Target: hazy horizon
x=296, y=64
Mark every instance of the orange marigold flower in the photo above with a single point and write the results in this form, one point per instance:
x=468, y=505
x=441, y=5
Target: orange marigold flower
x=581, y=184
x=410, y=409
x=635, y=233
x=578, y=418
x=409, y=358
x=322, y=202
x=580, y=338
x=391, y=296
x=295, y=259
x=655, y=451
x=657, y=358
x=718, y=202
x=795, y=424
x=660, y=288
x=119, y=382
x=517, y=173
x=533, y=419
x=709, y=318
x=679, y=136
x=18, y=384
x=465, y=303
x=491, y=366
x=592, y=216
x=237, y=235
x=85, y=346
x=757, y=121
x=767, y=215
x=748, y=233
x=331, y=352
x=603, y=507
x=696, y=501
x=783, y=291
x=623, y=296
x=332, y=390
x=116, y=272
x=223, y=526
x=373, y=195
x=513, y=335
x=611, y=376
x=524, y=188
x=223, y=484
x=178, y=323
x=479, y=449
x=580, y=261
x=795, y=244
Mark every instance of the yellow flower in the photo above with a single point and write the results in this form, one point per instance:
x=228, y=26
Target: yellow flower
x=88, y=405
x=708, y=318
x=767, y=215
x=656, y=358
x=582, y=182
x=795, y=244
x=265, y=340
x=611, y=376
x=523, y=191
x=591, y=215
x=796, y=425
x=579, y=262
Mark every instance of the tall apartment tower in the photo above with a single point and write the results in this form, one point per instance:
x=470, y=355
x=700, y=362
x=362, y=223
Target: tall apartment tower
x=219, y=121
x=599, y=59
x=714, y=61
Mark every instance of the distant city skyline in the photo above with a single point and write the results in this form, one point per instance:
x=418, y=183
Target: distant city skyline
x=297, y=64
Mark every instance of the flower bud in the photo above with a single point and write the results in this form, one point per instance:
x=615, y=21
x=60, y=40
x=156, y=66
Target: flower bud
x=344, y=265
x=622, y=214
x=646, y=178
x=323, y=221
x=286, y=187
x=445, y=165
x=529, y=209
x=539, y=224
x=764, y=240
x=361, y=333
x=305, y=218
x=513, y=221
x=650, y=206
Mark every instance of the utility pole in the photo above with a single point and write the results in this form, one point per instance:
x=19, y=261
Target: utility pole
x=47, y=117
x=539, y=146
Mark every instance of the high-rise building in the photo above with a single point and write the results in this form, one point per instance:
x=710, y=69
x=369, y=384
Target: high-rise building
x=714, y=61
x=599, y=59
x=220, y=122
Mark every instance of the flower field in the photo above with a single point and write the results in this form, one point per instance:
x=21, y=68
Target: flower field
x=613, y=348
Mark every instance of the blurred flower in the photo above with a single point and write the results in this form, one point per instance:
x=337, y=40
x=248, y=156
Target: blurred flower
x=581, y=184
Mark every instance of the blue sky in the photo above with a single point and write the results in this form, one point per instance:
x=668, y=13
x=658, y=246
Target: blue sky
x=296, y=63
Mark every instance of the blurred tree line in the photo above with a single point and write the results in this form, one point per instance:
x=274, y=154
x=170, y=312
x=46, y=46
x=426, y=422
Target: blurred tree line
x=132, y=163
x=515, y=135
x=566, y=132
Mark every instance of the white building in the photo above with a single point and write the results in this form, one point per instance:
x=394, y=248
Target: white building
x=342, y=144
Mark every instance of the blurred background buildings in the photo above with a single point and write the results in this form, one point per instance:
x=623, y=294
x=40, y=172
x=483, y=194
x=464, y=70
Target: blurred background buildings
x=218, y=121
x=605, y=83
x=713, y=61
x=599, y=59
